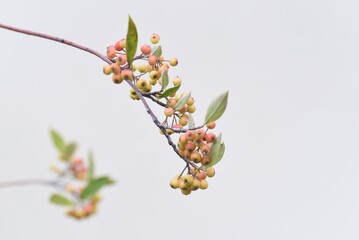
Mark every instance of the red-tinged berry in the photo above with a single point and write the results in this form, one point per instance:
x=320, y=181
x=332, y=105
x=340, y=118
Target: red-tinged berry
x=168, y=112
x=111, y=51
x=211, y=125
x=146, y=49
x=152, y=60
x=190, y=135
x=210, y=137
x=118, y=46
x=126, y=74
x=121, y=59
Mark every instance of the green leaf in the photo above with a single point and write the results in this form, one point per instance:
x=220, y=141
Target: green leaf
x=182, y=101
x=91, y=166
x=170, y=91
x=157, y=52
x=60, y=200
x=217, y=152
x=216, y=108
x=164, y=79
x=191, y=123
x=131, y=40
x=68, y=151
x=95, y=185
x=57, y=140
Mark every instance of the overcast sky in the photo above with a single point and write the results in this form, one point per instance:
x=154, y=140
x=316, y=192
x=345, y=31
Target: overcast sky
x=291, y=129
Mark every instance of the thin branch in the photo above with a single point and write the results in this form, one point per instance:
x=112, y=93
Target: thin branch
x=155, y=100
x=109, y=61
x=24, y=182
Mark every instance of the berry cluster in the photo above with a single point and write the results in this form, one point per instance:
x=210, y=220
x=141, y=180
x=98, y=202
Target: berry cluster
x=193, y=181
x=76, y=181
x=199, y=148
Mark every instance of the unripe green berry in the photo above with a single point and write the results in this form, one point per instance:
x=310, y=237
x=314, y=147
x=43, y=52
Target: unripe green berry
x=210, y=172
x=133, y=67
x=183, y=121
x=173, y=61
x=191, y=109
x=152, y=81
x=142, y=68
x=168, y=112
x=204, y=184
x=188, y=180
x=186, y=191
x=190, y=101
x=155, y=38
x=123, y=43
x=177, y=81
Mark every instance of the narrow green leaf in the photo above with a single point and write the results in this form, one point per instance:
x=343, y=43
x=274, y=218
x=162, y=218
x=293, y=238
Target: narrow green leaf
x=157, y=52
x=131, y=40
x=60, y=200
x=217, y=152
x=191, y=123
x=170, y=91
x=164, y=80
x=216, y=108
x=91, y=166
x=95, y=185
x=57, y=140
x=68, y=151
x=182, y=101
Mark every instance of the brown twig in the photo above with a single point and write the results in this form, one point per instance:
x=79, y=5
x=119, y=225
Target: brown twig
x=109, y=61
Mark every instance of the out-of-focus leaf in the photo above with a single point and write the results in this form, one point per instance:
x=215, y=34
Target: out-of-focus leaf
x=95, y=185
x=131, y=40
x=216, y=108
x=68, y=151
x=60, y=200
x=57, y=140
x=91, y=166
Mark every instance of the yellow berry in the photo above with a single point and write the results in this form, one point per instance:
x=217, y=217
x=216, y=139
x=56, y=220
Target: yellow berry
x=173, y=62
x=204, y=184
x=210, y=172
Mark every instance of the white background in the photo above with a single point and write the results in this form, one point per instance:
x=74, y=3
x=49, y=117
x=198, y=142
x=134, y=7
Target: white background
x=291, y=168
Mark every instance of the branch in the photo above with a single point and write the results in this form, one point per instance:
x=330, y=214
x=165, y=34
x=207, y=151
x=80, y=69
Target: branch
x=17, y=183
x=109, y=61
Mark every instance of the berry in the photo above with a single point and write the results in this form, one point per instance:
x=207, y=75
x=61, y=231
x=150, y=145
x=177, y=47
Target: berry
x=196, y=184
x=121, y=59
x=154, y=74
x=107, y=69
x=145, y=49
x=205, y=160
x=155, y=38
x=152, y=81
x=116, y=78
x=174, y=183
x=173, y=62
x=183, y=139
x=111, y=51
x=204, y=184
x=191, y=109
x=196, y=157
x=210, y=137
x=201, y=175
x=152, y=60
x=186, y=191
x=190, y=135
x=188, y=180
x=142, y=68
x=118, y=46
x=211, y=125
x=190, y=101
x=183, y=121
x=115, y=68
x=126, y=74
x=168, y=112
x=171, y=103
x=200, y=134
x=177, y=81
x=123, y=43
x=141, y=84
x=210, y=172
